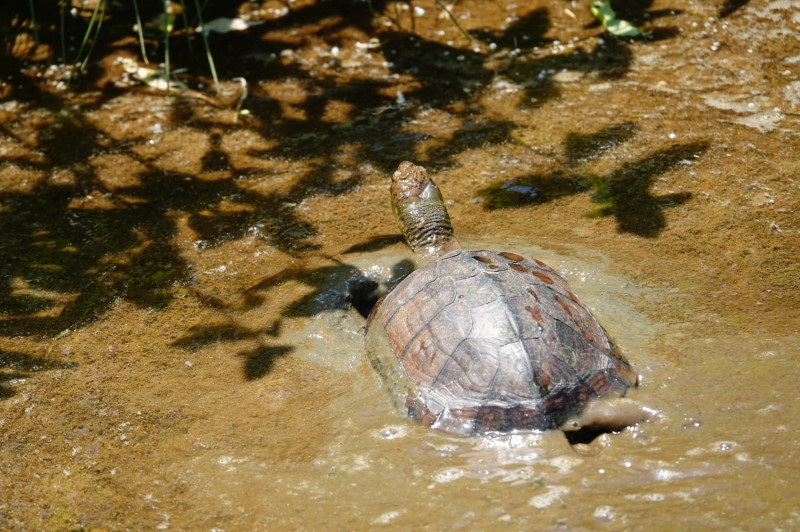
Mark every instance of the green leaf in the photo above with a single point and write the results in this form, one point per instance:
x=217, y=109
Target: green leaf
x=603, y=12
x=623, y=28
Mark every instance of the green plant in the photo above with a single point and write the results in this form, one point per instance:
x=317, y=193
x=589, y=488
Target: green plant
x=602, y=10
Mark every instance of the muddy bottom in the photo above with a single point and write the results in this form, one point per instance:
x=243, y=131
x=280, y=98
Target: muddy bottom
x=178, y=349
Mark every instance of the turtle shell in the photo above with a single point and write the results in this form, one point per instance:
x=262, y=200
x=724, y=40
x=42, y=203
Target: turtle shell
x=486, y=341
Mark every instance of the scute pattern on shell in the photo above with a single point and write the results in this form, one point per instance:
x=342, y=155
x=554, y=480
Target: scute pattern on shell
x=493, y=341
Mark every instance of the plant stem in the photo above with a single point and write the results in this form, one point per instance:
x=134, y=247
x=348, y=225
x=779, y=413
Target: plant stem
x=166, y=29
x=101, y=5
x=452, y=18
x=141, y=30
x=33, y=23
x=208, y=49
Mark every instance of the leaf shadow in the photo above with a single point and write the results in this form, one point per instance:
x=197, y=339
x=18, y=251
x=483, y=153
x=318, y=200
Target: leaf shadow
x=16, y=365
x=71, y=249
x=731, y=6
x=259, y=362
x=624, y=193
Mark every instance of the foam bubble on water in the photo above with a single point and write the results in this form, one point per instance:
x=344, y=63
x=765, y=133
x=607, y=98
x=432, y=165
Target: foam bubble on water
x=684, y=496
x=360, y=463
x=764, y=122
x=649, y=497
x=724, y=446
x=163, y=525
x=715, y=447
x=510, y=441
x=695, y=451
x=390, y=432
x=604, y=513
x=564, y=464
x=544, y=500
x=666, y=474
x=386, y=518
x=448, y=475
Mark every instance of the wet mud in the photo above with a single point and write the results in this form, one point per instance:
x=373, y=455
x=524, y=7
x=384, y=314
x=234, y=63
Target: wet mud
x=178, y=343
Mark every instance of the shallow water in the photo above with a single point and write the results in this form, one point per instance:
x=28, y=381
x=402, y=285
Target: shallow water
x=384, y=470
x=177, y=348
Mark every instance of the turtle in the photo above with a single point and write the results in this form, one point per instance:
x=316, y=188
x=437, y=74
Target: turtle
x=477, y=341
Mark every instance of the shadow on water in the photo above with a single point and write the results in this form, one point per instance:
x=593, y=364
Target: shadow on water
x=638, y=12
x=258, y=361
x=15, y=365
x=624, y=193
x=583, y=147
x=341, y=286
x=72, y=244
x=523, y=34
x=61, y=242
x=731, y=6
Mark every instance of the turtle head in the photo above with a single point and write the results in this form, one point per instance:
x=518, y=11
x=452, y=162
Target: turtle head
x=411, y=184
x=420, y=212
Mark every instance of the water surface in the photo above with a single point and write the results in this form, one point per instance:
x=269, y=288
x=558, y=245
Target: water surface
x=176, y=346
